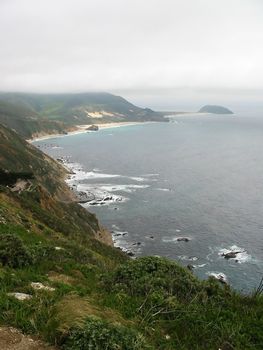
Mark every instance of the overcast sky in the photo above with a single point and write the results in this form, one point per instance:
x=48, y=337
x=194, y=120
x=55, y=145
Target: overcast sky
x=155, y=52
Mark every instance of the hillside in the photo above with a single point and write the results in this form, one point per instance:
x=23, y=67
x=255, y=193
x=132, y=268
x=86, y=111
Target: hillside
x=34, y=182
x=215, y=109
x=33, y=114
x=63, y=282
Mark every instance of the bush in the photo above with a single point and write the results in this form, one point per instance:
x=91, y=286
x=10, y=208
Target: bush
x=100, y=335
x=13, y=252
x=151, y=274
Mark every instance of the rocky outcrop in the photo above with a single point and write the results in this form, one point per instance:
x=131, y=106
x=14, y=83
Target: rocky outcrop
x=20, y=296
x=93, y=127
x=231, y=255
x=183, y=239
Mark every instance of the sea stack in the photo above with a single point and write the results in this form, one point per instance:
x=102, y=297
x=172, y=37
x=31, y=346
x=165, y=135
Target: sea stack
x=215, y=109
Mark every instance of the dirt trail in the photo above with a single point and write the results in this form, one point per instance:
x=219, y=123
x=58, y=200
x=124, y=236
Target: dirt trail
x=13, y=339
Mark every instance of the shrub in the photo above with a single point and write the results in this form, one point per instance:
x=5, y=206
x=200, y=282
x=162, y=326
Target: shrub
x=100, y=335
x=142, y=276
x=13, y=252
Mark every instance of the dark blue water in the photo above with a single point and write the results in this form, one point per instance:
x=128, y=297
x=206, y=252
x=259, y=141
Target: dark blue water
x=197, y=177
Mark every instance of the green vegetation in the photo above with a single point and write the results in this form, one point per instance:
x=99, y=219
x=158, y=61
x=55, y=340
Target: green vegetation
x=98, y=334
x=148, y=303
x=93, y=296
x=13, y=252
x=33, y=114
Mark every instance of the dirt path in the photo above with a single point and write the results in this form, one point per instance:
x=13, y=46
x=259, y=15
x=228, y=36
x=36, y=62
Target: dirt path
x=13, y=339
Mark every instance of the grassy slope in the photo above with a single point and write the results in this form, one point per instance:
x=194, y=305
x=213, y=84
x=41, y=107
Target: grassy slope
x=27, y=121
x=30, y=114
x=102, y=299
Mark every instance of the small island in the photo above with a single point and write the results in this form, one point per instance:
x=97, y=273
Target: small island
x=215, y=110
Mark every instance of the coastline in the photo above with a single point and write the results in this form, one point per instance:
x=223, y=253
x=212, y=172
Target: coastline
x=80, y=129
x=91, y=192
x=187, y=114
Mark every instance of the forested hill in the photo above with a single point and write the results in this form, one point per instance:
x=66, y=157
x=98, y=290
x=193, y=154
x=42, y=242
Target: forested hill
x=31, y=114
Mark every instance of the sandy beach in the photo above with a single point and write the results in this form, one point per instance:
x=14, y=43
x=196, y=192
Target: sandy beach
x=83, y=129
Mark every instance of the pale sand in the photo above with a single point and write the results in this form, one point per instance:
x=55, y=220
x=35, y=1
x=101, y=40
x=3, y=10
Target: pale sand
x=80, y=129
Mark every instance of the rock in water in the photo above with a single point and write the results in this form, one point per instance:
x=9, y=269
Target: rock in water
x=231, y=255
x=183, y=239
x=93, y=127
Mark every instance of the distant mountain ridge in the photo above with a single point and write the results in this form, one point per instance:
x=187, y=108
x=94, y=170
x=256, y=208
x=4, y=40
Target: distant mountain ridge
x=30, y=114
x=215, y=109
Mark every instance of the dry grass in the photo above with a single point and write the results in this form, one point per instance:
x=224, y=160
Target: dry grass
x=60, y=278
x=72, y=310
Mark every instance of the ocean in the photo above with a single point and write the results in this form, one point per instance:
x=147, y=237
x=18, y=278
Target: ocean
x=190, y=190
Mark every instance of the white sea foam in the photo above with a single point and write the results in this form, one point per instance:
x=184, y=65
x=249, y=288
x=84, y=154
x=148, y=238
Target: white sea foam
x=57, y=147
x=94, y=175
x=218, y=275
x=169, y=239
x=121, y=242
x=122, y=188
x=209, y=255
x=83, y=175
x=103, y=193
x=163, y=189
x=99, y=201
x=136, y=178
x=150, y=175
x=176, y=239
x=188, y=258
x=241, y=257
x=199, y=266
x=80, y=174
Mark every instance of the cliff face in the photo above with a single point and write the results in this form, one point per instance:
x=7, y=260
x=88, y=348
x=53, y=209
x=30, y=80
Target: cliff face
x=34, y=183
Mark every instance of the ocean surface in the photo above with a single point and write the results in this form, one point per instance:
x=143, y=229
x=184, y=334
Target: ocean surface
x=196, y=177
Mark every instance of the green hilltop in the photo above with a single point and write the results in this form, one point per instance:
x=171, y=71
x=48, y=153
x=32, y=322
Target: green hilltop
x=82, y=293
x=33, y=114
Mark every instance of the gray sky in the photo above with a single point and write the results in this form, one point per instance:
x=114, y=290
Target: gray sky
x=155, y=52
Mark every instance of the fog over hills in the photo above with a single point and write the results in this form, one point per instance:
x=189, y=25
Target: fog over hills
x=172, y=54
